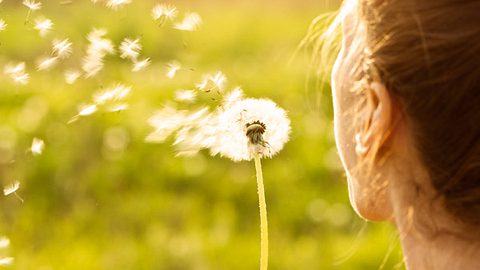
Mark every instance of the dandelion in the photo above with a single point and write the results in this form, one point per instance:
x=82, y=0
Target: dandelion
x=4, y=242
x=46, y=63
x=185, y=95
x=3, y=25
x=116, y=4
x=97, y=49
x=37, y=146
x=32, y=5
x=213, y=82
x=6, y=261
x=191, y=22
x=17, y=73
x=173, y=67
x=130, y=48
x=164, y=12
x=71, y=76
x=62, y=48
x=43, y=25
x=113, y=94
x=12, y=189
x=139, y=65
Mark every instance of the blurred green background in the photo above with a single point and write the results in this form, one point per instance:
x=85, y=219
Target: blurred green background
x=100, y=197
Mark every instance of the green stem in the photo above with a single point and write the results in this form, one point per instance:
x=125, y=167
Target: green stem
x=263, y=216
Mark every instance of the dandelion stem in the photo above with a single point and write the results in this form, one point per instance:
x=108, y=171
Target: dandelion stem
x=263, y=216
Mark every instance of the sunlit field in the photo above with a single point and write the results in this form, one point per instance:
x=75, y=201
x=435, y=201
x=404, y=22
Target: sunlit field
x=94, y=193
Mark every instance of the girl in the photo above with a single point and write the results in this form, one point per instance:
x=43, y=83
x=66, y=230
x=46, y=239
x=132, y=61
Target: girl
x=406, y=94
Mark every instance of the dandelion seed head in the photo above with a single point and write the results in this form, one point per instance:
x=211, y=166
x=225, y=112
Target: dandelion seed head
x=71, y=76
x=32, y=5
x=185, y=95
x=46, y=62
x=250, y=126
x=37, y=146
x=4, y=242
x=6, y=261
x=130, y=48
x=116, y=4
x=43, y=26
x=190, y=22
x=62, y=48
x=164, y=12
x=11, y=188
x=3, y=25
x=173, y=67
x=139, y=65
x=211, y=82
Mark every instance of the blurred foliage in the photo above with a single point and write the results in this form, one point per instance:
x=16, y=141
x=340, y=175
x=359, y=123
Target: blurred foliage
x=99, y=197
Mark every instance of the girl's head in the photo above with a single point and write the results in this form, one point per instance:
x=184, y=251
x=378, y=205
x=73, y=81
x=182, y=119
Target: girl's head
x=406, y=88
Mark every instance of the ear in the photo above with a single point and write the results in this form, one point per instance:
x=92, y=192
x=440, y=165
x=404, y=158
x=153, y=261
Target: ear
x=376, y=120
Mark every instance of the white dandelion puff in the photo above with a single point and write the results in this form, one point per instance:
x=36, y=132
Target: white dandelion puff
x=213, y=82
x=6, y=261
x=130, y=48
x=11, y=188
x=173, y=67
x=164, y=12
x=4, y=242
x=185, y=95
x=97, y=49
x=43, y=26
x=46, y=62
x=62, y=48
x=17, y=73
x=3, y=25
x=139, y=65
x=116, y=4
x=191, y=22
x=71, y=76
x=37, y=146
x=250, y=127
x=32, y=5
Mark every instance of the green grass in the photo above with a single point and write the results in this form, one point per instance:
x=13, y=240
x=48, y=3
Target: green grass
x=89, y=208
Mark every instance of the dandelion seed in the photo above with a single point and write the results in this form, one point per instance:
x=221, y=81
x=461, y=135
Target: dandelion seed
x=130, y=48
x=250, y=127
x=185, y=95
x=165, y=122
x=71, y=76
x=32, y=5
x=86, y=110
x=62, y=48
x=191, y=22
x=213, y=82
x=113, y=94
x=4, y=242
x=164, y=12
x=173, y=67
x=12, y=188
x=97, y=49
x=6, y=261
x=117, y=107
x=46, y=63
x=116, y=4
x=3, y=25
x=139, y=65
x=37, y=146
x=17, y=73
x=21, y=78
x=43, y=26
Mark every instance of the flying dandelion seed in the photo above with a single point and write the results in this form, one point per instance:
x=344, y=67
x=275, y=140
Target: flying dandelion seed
x=130, y=48
x=113, y=94
x=37, y=146
x=6, y=261
x=166, y=121
x=185, y=95
x=97, y=49
x=117, y=107
x=3, y=25
x=191, y=22
x=4, y=242
x=32, y=5
x=46, y=63
x=213, y=82
x=86, y=110
x=12, y=188
x=139, y=65
x=62, y=48
x=17, y=73
x=173, y=67
x=43, y=26
x=163, y=13
x=116, y=4
x=71, y=76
